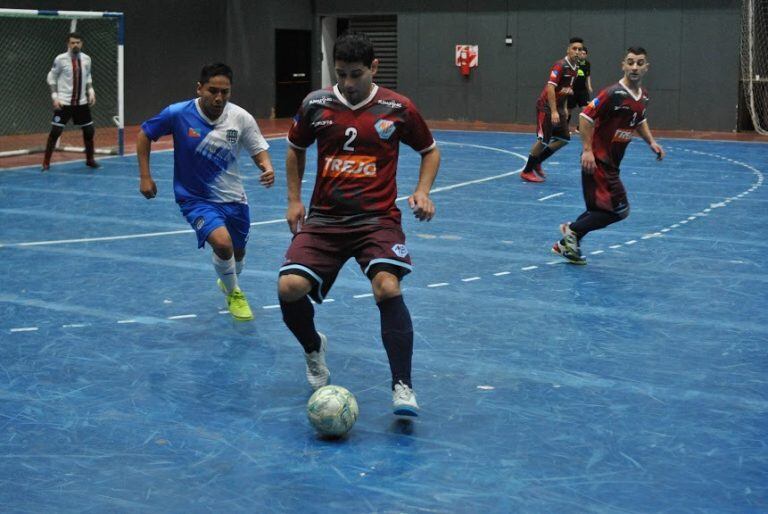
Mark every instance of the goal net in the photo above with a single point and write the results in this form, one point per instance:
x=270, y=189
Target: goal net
x=30, y=40
x=754, y=61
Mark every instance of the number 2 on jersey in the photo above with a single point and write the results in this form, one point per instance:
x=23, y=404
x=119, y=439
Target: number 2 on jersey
x=351, y=133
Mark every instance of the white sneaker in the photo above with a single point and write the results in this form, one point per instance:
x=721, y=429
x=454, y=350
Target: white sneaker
x=318, y=373
x=404, y=401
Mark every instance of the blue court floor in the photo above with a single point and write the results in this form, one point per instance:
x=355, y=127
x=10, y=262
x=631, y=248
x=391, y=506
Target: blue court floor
x=634, y=384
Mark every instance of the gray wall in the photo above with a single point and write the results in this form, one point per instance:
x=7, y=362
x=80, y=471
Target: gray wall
x=693, y=47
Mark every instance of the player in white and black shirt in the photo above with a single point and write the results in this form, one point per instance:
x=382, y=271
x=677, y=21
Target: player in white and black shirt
x=72, y=94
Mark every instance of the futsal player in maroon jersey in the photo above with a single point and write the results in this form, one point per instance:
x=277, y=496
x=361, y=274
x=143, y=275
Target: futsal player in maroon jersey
x=606, y=126
x=358, y=127
x=551, y=117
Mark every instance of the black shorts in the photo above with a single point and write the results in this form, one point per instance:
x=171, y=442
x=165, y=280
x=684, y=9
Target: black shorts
x=546, y=131
x=603, y=189
x=579, y=98
x=79, y=114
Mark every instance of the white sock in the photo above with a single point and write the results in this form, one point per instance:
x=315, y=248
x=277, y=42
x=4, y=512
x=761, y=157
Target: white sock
x=239, y=266
x=225, y=269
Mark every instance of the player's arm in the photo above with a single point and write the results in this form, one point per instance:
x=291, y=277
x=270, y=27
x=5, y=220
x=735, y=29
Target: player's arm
x=264, y=162
x=552, y=102
x=295, y=161
x=587, y=132
x=645, y=132
x=52, y=79
x=589, y=84
x=421, y=205
x=147, y=186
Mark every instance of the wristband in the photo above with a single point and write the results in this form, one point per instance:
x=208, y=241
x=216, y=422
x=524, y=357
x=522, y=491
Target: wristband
x=54, y=96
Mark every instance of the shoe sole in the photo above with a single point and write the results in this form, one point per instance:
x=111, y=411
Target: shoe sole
x=406, y=411
x=535, y=181
x=242, y=318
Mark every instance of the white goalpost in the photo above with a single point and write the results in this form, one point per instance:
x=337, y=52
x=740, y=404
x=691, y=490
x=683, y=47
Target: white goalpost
x=30, y=40
x=754, y=61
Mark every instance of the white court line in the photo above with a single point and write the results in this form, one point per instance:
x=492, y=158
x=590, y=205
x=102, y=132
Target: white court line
x=597, y=252
x=439, y=284
x=631, y=242
x=75, y=325
x=122, y=321
x=528, y=268
x=24, y=329
x=470, y=279
x=501, y=273
x=271, y=307
x=550, y=196
x=366, y=295
x=613, y=247
x=281, y=220
x=183, y=316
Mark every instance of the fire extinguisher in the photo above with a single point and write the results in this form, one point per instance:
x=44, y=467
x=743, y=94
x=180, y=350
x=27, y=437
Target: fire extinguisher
x=464, y=62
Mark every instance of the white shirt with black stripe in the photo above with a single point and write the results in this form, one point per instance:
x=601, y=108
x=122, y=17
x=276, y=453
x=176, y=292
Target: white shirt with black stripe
x=71, y=76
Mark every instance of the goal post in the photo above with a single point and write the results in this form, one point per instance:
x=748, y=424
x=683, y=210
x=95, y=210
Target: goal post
x=30, y=40
x=754, y=61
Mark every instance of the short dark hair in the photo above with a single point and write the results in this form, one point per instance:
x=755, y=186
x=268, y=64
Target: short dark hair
x=214, y=69
x=353, y=47
x=75, y=35
x=585, y=49
x=637, y=50
x=575, y=40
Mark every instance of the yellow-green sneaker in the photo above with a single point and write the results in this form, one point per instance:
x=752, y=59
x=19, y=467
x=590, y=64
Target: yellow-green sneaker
x=238, y=306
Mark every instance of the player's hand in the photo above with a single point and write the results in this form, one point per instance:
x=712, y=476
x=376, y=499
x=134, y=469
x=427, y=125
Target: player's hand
x=92, y=98
x=56, y=105
x=423, y=208
x=295, y=216
x=555, y=118
x=267, y=178
x=659, y=151
x=588, y=162
x=148, y=187
x=566, y=91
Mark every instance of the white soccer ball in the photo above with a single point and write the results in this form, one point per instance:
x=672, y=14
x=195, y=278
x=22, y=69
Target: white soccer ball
x=332, y=410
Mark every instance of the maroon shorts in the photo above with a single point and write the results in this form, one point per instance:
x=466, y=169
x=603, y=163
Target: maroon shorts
x=546, y=131
x=318, y=253
x=603, y=190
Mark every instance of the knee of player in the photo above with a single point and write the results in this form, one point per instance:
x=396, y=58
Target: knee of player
x=385, y=285
x=292, y=287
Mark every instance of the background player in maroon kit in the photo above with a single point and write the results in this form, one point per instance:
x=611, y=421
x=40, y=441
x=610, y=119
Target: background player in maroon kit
x=551, y=118
x=358, y=127
x=606, y=128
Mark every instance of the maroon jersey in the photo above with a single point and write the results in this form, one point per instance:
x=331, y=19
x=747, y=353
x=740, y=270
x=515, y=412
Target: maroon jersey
x=616, y=113
x=562, y=74
x=357, y=151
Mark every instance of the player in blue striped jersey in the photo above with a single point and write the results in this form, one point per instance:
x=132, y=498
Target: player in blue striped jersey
x=208, y=134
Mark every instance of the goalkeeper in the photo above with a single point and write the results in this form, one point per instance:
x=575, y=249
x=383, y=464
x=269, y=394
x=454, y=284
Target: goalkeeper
x=72, y=94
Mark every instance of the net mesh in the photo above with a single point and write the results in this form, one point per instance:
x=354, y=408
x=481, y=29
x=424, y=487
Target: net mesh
x=29, y=46
x=754, y=61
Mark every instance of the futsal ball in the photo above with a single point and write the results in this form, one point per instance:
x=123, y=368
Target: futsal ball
x=332, y=410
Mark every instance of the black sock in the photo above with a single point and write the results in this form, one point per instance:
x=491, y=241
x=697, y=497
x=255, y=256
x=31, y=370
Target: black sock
x=546, y=154
x=397, y=335
x=299, y=317
x=593, y=220
x=532, y=162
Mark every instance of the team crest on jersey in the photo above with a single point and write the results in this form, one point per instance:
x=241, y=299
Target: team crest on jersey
x=385, y=128
x=594, y=103
x=400, y=250
x=232, y=136
x=554, y=75
x=193, y=132
x=57, y=119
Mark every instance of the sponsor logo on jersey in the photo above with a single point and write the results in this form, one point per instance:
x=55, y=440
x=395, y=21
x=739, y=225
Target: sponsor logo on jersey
x=622, y=108
x=321, y=101
x=232, y=136
x=400, y=250
x=199, y=222
x=353, y=166
x=622, y=136
x=193, y=132
x=57, y=119
x=322, y=123
x=385, y=128
x=391, y=103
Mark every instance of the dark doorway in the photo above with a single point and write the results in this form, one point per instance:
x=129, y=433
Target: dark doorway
x=293, y=60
